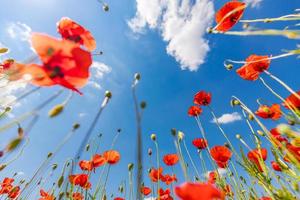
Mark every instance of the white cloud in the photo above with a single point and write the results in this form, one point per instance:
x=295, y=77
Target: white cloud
x=228, y=118
x=253, y=3
x=182, y=25
x=100, y=69
x=18, y=30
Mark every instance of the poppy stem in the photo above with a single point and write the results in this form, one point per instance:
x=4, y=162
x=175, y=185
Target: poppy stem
x=291, y=17
x=283, y=84
x=190, y=157
x=158, y=166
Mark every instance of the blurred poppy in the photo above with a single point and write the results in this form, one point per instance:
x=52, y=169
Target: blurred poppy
x=112, y=156
x=228, y=191
x=98, y=160
x=292, y=101
x=14, y=193
x=156, y=175
x=254, y=66
x=266, y=112
x=194, y=111
x=165, y=194
x=221, y=155
x=79, y=179
x=46, y=196
x=86, y=165
x=64, y=63
x=202, y=98
x=265, y=198
x=13, y=70
x=200, y=143
x=255, y=155
x=193, y=191
x=6, y=185
x=229, y=15
x=168, y=179
x=70, y=30
x=170, y=159
x=77, y=196
x=293, y=150
x=119, y=198
x=278, y=137
x=276, y=166
x=212, y=177
x=145, y=191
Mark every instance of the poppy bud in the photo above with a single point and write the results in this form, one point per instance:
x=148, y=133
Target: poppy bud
x=49, y=155
x=76, y=126
x=119, y=130
x=250, y=117
x=149, y=151
x=235, y=102
x=259, y=132
x=2, y=166
x=210, y=30
x=1, y=153
x=7, y=109
x=143, y=104
x=60, y=181
x=108, y=94
x=121, y=189
x=229, y=66
x=245, y=25
x=54, y=166
x=137, y=76
x=87, y=147
x=104, y=197
x=238, y=136
x=105, y=7
x=180, y=135
x=14, y=144
x=56, y=110
x=20, y=132
x=130, y=166
x=291, y=122
x=173, y=131
x=227, y=145
x=153, y=137
x=3, y=50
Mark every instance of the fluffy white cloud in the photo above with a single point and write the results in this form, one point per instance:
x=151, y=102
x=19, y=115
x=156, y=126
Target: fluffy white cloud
x=253, y=3
x=100, y=69
x=228, y=118
x=182, y=25
x=18, y=30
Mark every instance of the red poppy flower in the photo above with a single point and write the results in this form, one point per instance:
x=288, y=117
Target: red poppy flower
x=200, y=143
x=146, y=191
x=165, y=194
x=212, y=177
x=229, y=15
x=292, y=101
x=256, y=154
x=46, y=196
x=265, y=198
x=64, y=63
x=79, y=179
x=77, y=196
x=156, y=175
x=267, y=112
x=170, y=159
x=14, y=193
x=112, y=156
x=254, y=66
x=168, y=179
x=278, y=138
x=202, y=98
x=221, y=155
x=98, y=160
x=70, y=30
x=192, y=191
x=119, y=198
x=86, y=165
x=293, y=150
x=276, y=166
x=194, y=111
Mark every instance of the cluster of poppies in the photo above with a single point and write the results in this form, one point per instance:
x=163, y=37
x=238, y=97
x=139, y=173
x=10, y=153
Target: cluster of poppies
x=64, y=61
x=7, y=188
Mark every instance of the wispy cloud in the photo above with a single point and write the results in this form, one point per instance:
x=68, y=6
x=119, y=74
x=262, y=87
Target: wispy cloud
x=253, y=3
x=20, y=31
x=98, y=71
x=182, y=25
x=228, y=118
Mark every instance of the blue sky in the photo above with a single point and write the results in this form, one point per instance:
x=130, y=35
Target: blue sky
x=167, y=88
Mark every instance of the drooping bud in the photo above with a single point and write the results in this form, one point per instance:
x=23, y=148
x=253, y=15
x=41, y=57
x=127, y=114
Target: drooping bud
x=56, y=110
x=49, y=155
x=54, y=166
x=130, y=166
x=76, y=126
x=105, y=7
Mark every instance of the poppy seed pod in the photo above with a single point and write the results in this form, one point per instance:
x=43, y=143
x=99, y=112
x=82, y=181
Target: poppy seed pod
x=250, y=117
x=108, y=94
x=56, y=110
x=76, y=126
x=153, y=137
x=259, y=132
x=234, y=102
x=143, y=104
x=238, y=136
x=173, y=131
x=180, y=135
x=54, y=166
